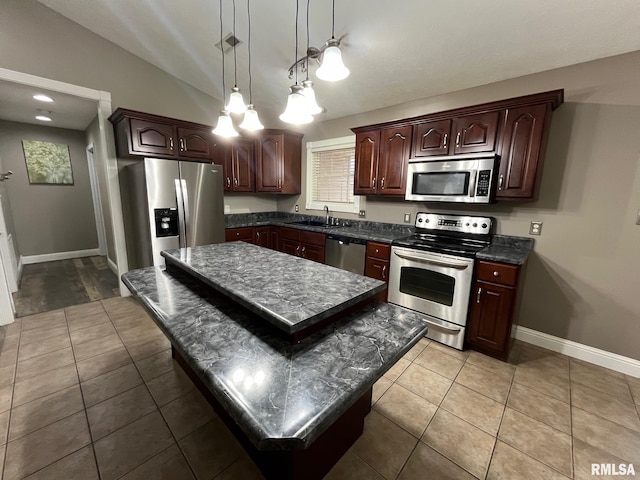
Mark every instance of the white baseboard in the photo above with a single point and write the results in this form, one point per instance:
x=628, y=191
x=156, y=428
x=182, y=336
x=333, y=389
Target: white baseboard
x=52, y=257
x=112, y=266
x=20, y=268
x=580, y=351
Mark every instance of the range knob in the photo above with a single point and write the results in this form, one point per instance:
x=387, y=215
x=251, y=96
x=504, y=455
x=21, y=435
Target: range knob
x=475, y=225
x=467, y=224
x=484, y=225
x=420, y=220
x=427, y=220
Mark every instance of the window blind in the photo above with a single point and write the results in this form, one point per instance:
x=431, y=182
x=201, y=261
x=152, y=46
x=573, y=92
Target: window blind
x=332, y=175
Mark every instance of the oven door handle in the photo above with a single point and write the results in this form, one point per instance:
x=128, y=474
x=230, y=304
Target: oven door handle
x=442, y=327
x=458, y=266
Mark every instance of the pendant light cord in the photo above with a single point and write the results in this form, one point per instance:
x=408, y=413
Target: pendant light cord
x=235, y=42
x=333, y=19
x=307, y=52
x=297, y=8
x=224, y=90
x=249, y=48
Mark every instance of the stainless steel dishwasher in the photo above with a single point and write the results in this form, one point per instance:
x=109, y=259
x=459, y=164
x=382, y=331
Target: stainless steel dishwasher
x=346, y=253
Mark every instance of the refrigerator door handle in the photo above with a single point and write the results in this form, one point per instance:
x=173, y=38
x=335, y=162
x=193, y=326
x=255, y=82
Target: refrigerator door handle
x=185, y=197
x=182, y=238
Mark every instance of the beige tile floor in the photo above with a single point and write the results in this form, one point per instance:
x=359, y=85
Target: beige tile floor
x=91, y=392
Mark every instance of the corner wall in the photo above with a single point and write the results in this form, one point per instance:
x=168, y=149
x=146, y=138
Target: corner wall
x=582, y=279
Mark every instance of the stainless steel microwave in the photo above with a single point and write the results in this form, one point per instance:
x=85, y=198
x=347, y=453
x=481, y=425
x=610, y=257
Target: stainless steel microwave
x=468, y=179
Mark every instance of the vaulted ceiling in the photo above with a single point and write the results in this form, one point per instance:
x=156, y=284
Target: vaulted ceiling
x=397, y=51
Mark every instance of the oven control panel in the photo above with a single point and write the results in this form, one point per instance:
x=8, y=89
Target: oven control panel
x=453, y=223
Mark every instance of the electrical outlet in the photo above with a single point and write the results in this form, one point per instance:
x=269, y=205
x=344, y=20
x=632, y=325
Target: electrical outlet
x=297, y=208
x=535, y=228
x=362, y=213
x=407, y=218
x=638, y=218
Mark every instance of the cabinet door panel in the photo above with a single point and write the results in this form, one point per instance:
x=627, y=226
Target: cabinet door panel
x=476, y=133
x=393, y=160
x=153, y=138
x=292, y=247
x=263, y=237
x=376, y=268
x=275, y=238
x=312, y=252
x=522, y=140
x=366, y=163
x=270, y=163
x=195, y=143
x=490, y=316
x=431, y=138
x=243, y=173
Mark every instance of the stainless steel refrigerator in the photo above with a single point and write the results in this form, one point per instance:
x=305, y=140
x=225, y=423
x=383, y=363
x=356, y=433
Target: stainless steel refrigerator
x=168, y=204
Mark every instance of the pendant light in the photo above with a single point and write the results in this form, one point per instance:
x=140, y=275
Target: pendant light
x=224, y=128
x=307, y=85
x=297, y=111
x=332, y=68
x=251, y=121
x=236, y=102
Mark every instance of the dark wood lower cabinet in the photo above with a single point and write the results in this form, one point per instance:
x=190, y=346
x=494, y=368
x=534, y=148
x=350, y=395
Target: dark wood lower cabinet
x=377, y=263
x=301, y=243
x=312, y=252
x=493, y=308
x=243, y=234
x=263, y=237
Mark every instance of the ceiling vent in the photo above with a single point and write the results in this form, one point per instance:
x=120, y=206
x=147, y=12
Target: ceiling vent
x=228, y=43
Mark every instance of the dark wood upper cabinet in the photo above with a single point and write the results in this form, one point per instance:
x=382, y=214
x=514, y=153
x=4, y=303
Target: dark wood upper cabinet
x=150, y=138
x=195, y=143
x=475, y=133
x=242, y=165
x=516, y=129
x=278, y=161
x=139, y=134
x=431, y=138
x=522, y=150
x=393, y=159
x=367, y=144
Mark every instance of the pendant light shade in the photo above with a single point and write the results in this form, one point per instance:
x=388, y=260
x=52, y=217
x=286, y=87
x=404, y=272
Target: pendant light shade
x=310, y=95
x=251, y=121
x=236, y=102
x=225, y=128
x=332, y=68
x=297, y=111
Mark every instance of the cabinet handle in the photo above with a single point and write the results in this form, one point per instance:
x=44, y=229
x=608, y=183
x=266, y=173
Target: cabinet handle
x=446, y=140
x=384, y=272
x=374, y=182
x=171, y=143
x=237, y=234
x=258, y=235
x=382, y=183
x=500, y=180
x=496, y=274
x=377, y=251
x=458, y=140
x=235, y=180
x=303, y=250
x=228, y=182
x=182, y=145
x=298, y=250
x=478, y=295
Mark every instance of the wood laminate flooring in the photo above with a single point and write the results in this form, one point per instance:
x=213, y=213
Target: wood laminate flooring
x=53, y=285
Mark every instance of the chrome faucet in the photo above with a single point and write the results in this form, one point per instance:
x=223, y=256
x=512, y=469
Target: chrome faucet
x=326, y=209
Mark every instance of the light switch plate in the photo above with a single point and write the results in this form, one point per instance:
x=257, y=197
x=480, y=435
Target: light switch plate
x=227, y=209
x=407, y=218
x=297, y=208
x=362, y=213
x=535, y=228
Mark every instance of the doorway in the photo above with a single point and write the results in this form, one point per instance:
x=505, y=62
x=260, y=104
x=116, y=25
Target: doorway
x=84, y=271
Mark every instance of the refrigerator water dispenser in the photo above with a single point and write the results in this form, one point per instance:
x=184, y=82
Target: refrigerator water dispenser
x=166, y=222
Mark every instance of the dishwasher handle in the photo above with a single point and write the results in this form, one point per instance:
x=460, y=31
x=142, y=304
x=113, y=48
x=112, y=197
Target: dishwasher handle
x=346, y=240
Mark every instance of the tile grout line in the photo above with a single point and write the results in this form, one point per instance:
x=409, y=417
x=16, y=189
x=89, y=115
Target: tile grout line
x=158, y=408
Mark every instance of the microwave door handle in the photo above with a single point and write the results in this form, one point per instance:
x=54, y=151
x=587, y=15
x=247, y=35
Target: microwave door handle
x=459, y=266
x=472, y=187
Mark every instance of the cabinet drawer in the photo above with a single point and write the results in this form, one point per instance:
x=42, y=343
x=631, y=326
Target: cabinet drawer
x=244, y=234
x=497, y=273
x=289, y=234
x=376, y=268
x=378, y=250
x=312, y=238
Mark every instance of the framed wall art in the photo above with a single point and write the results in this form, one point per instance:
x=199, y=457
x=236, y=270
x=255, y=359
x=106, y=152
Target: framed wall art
x=47, y=163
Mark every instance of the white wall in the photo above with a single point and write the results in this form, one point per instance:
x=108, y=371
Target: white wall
x=582, y=279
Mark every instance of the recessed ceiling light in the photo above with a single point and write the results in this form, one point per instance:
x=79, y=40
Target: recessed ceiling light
x=43, y=118
x=43, y=98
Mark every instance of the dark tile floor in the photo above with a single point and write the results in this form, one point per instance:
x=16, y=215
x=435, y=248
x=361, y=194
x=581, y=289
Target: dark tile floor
x=53, y=285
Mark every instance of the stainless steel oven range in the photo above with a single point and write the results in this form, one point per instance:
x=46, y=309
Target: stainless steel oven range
x=431, y=271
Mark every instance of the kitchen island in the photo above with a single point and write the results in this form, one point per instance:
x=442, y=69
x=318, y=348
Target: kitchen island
x=295, y=407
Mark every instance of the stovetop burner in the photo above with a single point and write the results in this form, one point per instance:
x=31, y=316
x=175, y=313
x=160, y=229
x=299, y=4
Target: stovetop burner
x=449, y=234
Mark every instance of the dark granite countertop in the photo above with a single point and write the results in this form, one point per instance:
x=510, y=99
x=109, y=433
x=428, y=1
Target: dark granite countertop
x=290, y=292
x=503, y=248
x=282, y=396
x=507, y=249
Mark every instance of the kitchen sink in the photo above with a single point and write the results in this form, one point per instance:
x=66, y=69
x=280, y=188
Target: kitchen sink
x=314, y=223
